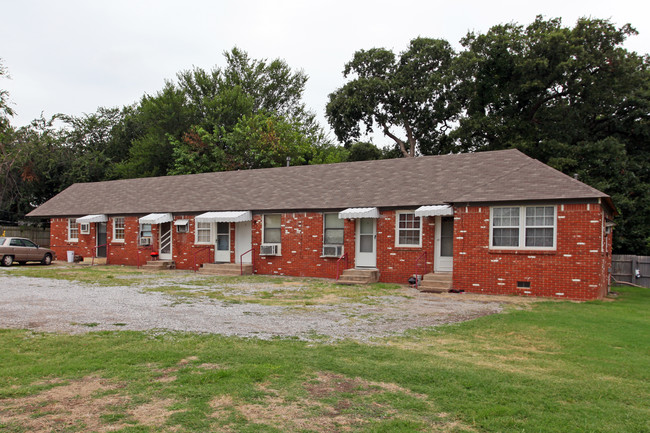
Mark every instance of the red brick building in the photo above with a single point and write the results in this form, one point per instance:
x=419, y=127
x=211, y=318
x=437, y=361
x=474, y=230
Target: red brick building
x=492, y=222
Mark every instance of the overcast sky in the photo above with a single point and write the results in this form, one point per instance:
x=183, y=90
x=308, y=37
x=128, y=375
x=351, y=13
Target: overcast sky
x=74, y=56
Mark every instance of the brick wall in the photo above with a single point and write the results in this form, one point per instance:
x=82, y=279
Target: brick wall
x=60, y=244
x=575, y=270
x=302, y=242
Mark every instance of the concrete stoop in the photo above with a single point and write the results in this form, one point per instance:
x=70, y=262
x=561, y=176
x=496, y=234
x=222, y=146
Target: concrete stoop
x=159, y=265
x=87, y=261
x=226, y=269
x=436, y=283
x=359, y=276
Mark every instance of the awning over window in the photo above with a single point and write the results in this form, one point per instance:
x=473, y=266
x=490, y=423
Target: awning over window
x=181, y=222
x=435, y=210
x=156, y=218
x=92, y=219
x=224, y=217
x=359, y=212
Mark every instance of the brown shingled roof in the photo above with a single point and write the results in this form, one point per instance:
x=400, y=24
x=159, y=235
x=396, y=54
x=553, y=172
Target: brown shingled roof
x=506, y=175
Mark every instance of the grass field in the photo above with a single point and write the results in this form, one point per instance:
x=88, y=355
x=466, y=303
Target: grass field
x=554, y=367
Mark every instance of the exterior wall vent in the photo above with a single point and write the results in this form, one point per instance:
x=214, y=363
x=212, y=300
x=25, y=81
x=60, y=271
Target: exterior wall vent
x=523, y=284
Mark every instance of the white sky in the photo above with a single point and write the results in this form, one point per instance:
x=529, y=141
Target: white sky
x=74, y=56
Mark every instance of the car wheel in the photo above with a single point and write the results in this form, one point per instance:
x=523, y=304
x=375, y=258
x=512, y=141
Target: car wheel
x=7, y=260
x=47, y=260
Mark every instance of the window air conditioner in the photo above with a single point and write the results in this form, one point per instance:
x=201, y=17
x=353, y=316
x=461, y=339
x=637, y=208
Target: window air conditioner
x=332, y=250
x=270, y=250
x=146, y=241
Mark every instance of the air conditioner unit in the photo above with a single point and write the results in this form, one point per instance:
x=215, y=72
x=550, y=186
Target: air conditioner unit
x=270, y=250
x=332, y=250
x=146, y=241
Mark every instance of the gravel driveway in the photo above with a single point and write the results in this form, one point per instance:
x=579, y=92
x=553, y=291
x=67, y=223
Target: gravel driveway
x=43, y=304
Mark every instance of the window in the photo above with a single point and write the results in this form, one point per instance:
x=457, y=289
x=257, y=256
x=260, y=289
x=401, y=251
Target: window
x=73, y=230
x=523, y=227
x=272, y=230
x=145, y=231
x=332, y=229
x=540, y=226
x=182, y=226
x=84, y=228
x=505, y=227
x=118, y=229
x=203, y=232
x=408, y=230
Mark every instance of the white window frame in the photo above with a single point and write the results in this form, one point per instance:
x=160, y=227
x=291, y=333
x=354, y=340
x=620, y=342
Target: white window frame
x=325, y=229
x=198, y=230
x=397, y=229
x=84, y=228
x=115, y=228
x=72, y=224
x=264, y=242
x=522, y=228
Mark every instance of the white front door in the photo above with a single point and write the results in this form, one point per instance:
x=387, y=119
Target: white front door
x=165, y=241
x=366, y=243
x=444, y=245
x=243, y=241
x=222, y=243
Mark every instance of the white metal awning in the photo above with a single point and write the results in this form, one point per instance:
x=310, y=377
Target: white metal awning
x=156, y=218
x=434, y=210
x=92, y=219
x=224, y=217
x=181, y=222
x=359, y=212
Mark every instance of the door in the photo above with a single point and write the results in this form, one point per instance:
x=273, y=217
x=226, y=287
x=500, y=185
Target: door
x=444, y=245
x=243, y=241
x=31, y=250
x=165, y=241
x=101, y=239
x=366, y=243
x=222, y=243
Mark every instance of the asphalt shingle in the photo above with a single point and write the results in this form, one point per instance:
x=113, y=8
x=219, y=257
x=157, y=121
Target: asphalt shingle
x=498, y=176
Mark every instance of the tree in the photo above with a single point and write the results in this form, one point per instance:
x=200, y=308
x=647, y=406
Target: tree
x=5, y=110
x=412, y=95
x=570, y=97
x=185, y=128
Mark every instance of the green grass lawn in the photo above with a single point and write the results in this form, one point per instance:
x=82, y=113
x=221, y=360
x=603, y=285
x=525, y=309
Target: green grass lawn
x=555, y=367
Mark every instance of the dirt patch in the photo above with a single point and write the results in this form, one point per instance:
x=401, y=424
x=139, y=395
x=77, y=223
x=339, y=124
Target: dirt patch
x=154, y=413
x=333, y=402
x=188, y=360
x=79, y=406
x=209, y=366
x=64, y=407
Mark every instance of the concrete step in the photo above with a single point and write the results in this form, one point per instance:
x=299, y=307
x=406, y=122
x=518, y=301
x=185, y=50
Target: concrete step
x=159, y=265
x=359, y=276
x=436, y=283
x=89, y=261
x=440, y=276
x=226, y=269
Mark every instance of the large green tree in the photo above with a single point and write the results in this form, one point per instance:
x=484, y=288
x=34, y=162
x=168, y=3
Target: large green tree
x=190, y=125
x=571, y=97
x=407, y=98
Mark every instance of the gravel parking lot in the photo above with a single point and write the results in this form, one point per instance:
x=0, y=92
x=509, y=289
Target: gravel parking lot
x=44, y=304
